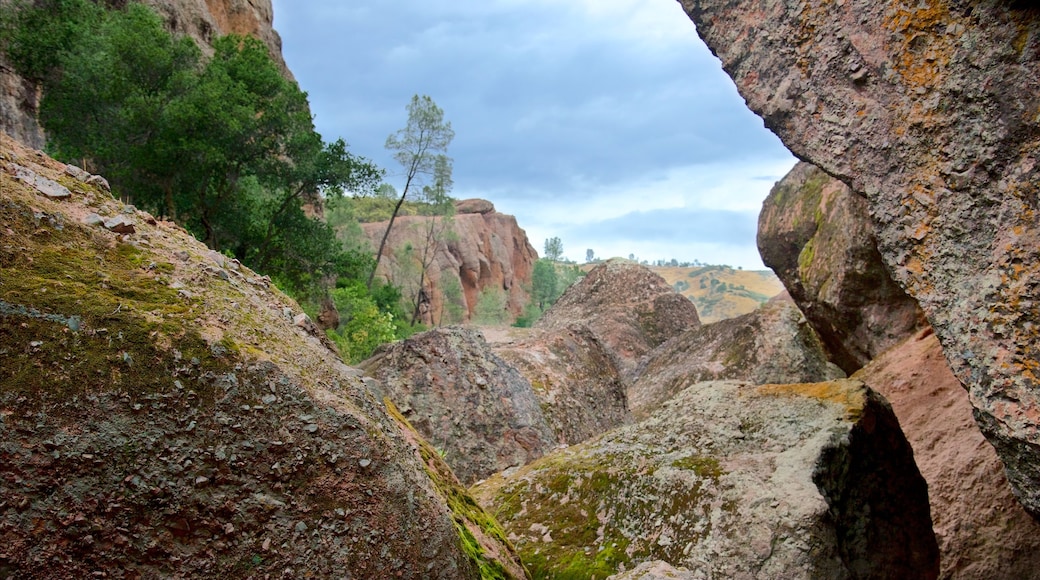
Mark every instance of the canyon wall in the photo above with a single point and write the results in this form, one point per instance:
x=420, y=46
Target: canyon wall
x=929, y=110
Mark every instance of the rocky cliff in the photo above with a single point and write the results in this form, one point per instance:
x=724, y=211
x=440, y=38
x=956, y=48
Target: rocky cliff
x=929, y=111
x=480, y=251
x=164, y=412
x=730, y=480
x=983, y=532
x=202, y=20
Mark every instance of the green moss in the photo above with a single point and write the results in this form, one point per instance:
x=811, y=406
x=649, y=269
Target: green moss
x=703, y=466
x=81, y=315
x=805, y=257
x=467, y=515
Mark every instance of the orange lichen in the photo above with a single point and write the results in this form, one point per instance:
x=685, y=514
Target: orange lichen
x=849, y=394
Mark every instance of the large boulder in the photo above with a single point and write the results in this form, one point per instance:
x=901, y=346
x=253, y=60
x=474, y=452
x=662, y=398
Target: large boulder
x=477, y=410
x=983, y=532
x=161, y=415
x=817, y=236
x=773, y=344
x=575, y=379
x=628, y=307
x=730, y=480
x=928, y=110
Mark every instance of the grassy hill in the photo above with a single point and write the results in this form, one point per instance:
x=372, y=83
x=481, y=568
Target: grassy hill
x=720, y=291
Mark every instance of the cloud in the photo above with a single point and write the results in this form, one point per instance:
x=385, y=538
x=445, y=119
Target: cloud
x=566, y=113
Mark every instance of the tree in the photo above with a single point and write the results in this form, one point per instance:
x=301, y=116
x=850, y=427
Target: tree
x=590, y=256
x=553, y=249
x=421, y=148
x=544, y=283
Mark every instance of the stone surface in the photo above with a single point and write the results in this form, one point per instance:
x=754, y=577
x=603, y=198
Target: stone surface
x=983, y=532
x=773, y=344
x=476, y=409
x=575, y=378
x=735, y=480
x=630, y=309
x=658, y=570
x=488, y=252
x=119, y=224
x=927, y=109
x=193, y=431
x=818, y=238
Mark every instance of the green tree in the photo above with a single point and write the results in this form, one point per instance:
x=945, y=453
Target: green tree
x=544, y=283
x=590, y=256
x=553, y=249
x=421, y=149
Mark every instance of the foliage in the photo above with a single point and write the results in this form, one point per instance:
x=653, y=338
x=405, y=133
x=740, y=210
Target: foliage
x=590, y=256
x=553, y=249
x=544, y=283
x=491, y=308
x=224, y=145
x=421, y=149
x=363, y=326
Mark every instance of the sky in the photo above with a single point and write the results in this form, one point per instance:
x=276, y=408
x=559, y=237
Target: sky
x=606, y=123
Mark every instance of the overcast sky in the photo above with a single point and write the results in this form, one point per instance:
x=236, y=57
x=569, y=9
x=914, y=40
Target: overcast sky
x=607, y=123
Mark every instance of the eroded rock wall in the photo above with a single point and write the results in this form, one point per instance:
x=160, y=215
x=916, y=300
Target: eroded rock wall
x=479, y=251
x=983, y=532
x=928, y=110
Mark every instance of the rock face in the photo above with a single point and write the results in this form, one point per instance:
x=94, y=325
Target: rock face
x=465, y=400
x=162, y=416
x=575, y=379
x=730, y=480
x=487, y=252
x=773, y=344
x=817, y=236
x=927, y=109
x=628, y=307
x=983, y=532
x=202, y=20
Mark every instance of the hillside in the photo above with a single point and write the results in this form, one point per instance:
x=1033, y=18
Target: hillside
x=721, y=292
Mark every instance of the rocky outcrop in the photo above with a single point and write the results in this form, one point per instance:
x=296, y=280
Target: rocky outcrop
x=478, y=252
x=730, y=480
x=983, y=532
x=629, y=308
x=773, y=344
x=575, y=379
x=928, y=110
x=479, y=411
x=161, y=415
x=817, y=236
x=202, y=20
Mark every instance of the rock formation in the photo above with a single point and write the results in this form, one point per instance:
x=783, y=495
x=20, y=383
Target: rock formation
x=479, y=411
x=928, y=110
x=983, y=532
x=629, y=308
x=575, y=379
x=773, y=344
x=817, y=236
x=486, y=251
x=161, y=415
x=730, y=480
